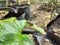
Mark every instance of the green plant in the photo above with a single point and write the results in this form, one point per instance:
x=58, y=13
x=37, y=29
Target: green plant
x=11, y=32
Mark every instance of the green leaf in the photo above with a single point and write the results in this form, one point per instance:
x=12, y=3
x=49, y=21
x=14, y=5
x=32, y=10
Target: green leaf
x=17, y=39
x=10, y=32
x=41, y=30
x=37, y=28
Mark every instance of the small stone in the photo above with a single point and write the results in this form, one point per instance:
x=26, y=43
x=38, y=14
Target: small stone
x=47, y=40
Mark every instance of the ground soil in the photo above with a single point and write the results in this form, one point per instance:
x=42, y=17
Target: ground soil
x=41, y=18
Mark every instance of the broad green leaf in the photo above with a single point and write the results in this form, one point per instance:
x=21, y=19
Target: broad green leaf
x=12, y=19
x=10, y=32
x=17, y=39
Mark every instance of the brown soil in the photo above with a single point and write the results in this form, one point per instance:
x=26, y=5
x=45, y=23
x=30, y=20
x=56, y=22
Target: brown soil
x=40, y=17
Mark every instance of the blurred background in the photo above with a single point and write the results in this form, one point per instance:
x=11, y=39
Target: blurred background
x=42, y=11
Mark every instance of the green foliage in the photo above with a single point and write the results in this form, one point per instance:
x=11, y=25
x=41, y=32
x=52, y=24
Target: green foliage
x=44, y=1
x=34, y=1
x=11, y=32
x=58, y=4
x=41, y=30
x=37, y=28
